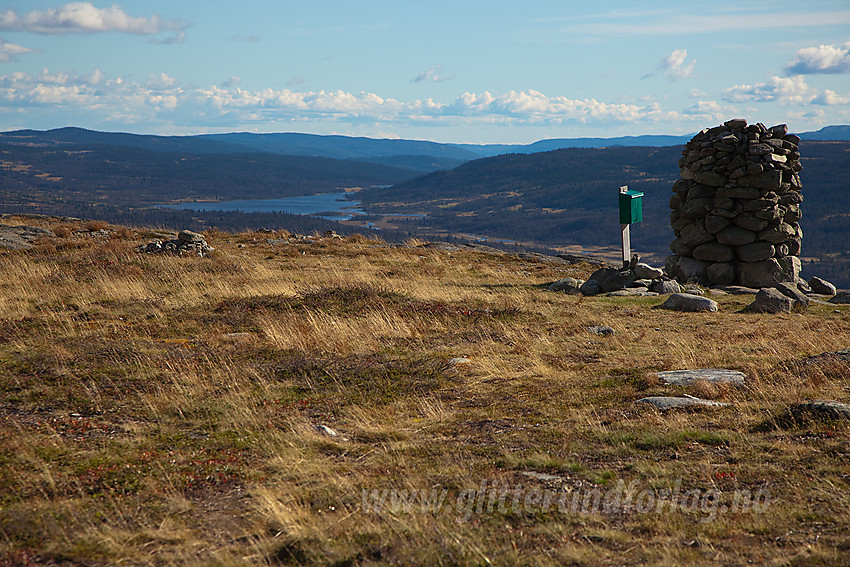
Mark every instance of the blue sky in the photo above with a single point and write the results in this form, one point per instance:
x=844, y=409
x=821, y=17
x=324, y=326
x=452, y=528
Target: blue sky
x=461, y=71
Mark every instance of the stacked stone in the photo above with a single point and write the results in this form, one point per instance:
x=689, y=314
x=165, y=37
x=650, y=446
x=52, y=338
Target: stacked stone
x=736, y=209
x=187, y=242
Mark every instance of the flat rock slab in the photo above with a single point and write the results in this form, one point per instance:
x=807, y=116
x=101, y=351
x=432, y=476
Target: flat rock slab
x=21, y=237
x=736, y=289
x=566, y=284
x=689, y=303
x=828, y=409
x=632, y=292
x=689, y=377
x=672, y=402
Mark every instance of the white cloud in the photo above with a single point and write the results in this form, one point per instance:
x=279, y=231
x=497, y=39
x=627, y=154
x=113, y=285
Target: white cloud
x=431, y=76
x=674, y=65
x=175, y=39
x=161, y=101
x=708, y=111
x=830, y=98
x=159, y=82
x=85, y=18
x=786, y=90
x=822, y=59
x=8, y=51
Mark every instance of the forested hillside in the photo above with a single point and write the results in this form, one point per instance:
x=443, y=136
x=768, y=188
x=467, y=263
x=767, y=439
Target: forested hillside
x=557, y=198
x=569, y=197
x=134, y=177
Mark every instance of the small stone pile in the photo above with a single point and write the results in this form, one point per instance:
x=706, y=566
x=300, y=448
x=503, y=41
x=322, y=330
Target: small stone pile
x=736, y=209
x=187, y=242
x=636, y=279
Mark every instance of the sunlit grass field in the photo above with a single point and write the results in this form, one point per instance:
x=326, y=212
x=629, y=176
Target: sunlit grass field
x=352, y=402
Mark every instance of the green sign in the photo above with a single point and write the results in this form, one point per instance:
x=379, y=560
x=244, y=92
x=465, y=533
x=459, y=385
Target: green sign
x=631, y=207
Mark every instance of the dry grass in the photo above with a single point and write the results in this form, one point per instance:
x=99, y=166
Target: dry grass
x=165, y=410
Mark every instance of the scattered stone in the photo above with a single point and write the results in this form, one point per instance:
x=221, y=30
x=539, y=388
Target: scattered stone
x=821, y=286
x=666, y=287
x=645, y=271
x=631, y=291
x=842, y=297
x=190, y=236
x=612, y=279
x=737, y=289
x=824, y=409
x=671, y=402
x=801, y=302
x=566, y=284
x=590, y=287
x=715, y=375
x=459, y=361
x=601, y=330
x=770, y=300
x=325, y=430
x=187, y=242
x=689, y=303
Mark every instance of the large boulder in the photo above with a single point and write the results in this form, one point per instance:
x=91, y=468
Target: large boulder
x=568, y=285
x=766, y=273
x=770, y=300
x=689, y=302
x=685, y=269
x=821, y=286
x=612, y=279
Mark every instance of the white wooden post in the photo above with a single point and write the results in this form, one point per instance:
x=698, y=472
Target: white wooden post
x=624, y=228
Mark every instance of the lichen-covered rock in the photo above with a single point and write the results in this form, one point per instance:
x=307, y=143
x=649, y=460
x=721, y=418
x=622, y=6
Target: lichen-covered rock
x=566, y=284
x=689, y=302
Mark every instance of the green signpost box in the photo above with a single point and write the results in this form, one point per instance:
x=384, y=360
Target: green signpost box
x=631, y=206
x=631, y=211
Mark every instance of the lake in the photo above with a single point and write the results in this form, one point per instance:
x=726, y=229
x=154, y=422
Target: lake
x=331, y=206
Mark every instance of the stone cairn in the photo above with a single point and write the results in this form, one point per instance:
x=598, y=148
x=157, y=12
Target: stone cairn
x=187, y=242
x=736, y=209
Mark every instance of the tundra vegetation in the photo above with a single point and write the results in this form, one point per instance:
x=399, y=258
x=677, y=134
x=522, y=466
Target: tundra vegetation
x=246, y=407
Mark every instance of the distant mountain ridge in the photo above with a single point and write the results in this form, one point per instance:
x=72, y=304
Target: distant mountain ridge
x=415, y=155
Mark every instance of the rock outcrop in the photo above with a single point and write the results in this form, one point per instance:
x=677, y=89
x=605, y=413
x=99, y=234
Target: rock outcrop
x=736, y=209
x=21, y=237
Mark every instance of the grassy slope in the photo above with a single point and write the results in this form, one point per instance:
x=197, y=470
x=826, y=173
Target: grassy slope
x=133, y=430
